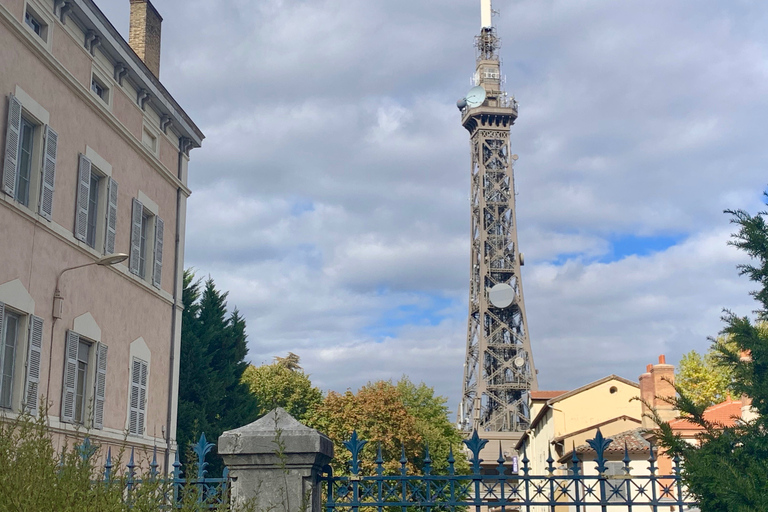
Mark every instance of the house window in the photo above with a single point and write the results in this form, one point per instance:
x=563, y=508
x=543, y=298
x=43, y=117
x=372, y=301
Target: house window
x=20, y=357
x=10, y=338
x=81, y=379
x=93, y=209
x=100, y=89
x=96, y=215
x=24, y=167
x=36, y=24
x=143, y=246
x=146, y=256
x=138, y=398
x=84, y=389
x=29, y=162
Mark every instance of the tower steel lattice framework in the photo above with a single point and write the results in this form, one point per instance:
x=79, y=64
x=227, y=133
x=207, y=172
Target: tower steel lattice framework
x=499, y=372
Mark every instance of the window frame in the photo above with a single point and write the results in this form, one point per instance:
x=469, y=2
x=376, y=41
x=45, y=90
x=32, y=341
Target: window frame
x=87, y=413
x=43, y=23
x=41, y=164
x=26, y=357
x=19, y=318
x=147, y=239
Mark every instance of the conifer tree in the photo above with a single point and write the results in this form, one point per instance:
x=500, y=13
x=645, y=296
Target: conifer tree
x=212, y=397
x=728, y=470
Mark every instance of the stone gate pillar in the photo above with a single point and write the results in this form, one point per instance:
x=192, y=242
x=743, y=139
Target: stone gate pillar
x=275, y=463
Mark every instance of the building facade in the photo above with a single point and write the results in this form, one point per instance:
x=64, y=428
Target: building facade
x=94, y=187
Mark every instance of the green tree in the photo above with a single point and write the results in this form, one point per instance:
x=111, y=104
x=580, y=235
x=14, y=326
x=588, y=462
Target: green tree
x=283, y=384
x=212, y=396
x=402, y=415
x=728, y=470
x=702, y=378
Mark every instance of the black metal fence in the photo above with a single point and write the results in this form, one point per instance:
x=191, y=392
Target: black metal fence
x=504, y=488
x=170, y=491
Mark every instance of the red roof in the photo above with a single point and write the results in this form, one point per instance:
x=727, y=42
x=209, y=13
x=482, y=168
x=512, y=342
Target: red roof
x=723, y=414
x=546, y=395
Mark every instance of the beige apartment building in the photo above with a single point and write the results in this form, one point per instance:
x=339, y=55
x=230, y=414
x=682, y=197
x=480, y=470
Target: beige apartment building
x=92, y=214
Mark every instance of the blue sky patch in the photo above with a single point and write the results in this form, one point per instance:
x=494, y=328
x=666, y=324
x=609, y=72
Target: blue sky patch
x=633, y=245
x=424, y=309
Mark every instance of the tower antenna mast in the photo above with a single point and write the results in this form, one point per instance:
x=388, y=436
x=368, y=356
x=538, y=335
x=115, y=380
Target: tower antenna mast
x=499, y=373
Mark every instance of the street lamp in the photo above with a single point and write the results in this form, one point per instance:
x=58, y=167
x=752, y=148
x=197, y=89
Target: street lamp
x=58, y=301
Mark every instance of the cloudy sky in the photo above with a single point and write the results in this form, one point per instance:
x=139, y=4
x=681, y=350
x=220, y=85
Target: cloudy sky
x=331, y=195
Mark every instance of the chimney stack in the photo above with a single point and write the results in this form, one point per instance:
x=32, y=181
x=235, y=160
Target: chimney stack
x=655, y=383
x=144, y=33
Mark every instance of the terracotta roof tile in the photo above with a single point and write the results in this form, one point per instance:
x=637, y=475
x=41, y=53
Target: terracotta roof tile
x=723, y=414
x=633, y=439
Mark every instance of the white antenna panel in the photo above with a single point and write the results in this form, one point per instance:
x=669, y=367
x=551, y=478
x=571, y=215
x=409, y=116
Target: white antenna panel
x=485, y=14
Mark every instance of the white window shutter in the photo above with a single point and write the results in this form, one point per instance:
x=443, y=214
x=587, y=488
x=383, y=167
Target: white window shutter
x=34, y=357
x=70, y=375
x=11, y=145
x=83, y=196
x=49, y=173
x=135, y=254
x=100, y=386
x=109, y=241
x=158, y=272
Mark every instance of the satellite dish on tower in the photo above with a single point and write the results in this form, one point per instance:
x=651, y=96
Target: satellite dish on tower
x=475, y=96
x=501, y=295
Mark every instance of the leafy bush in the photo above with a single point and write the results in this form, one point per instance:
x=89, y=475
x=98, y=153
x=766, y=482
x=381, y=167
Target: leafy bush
x=35, y=476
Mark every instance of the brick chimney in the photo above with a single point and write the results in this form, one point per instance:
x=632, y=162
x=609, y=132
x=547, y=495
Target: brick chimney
x=144, y=33
x=655, y=383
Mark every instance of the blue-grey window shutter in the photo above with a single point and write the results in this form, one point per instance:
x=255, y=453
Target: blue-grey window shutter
x=49, y=173
x=136, y=213
x=100, y=386
x=138, y=398
x=109, y=241
x=31, y=393
x=158, y=272
x=11, y=145
x=83, y=193
x=70, y=376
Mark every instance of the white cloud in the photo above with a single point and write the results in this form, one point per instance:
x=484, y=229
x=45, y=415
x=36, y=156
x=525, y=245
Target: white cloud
x=332, y=190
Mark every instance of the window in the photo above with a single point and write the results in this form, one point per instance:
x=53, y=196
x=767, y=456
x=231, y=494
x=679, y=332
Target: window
x=96, y=219
x=17, y=332
x=36, y=23
x=8, y=357
x=615, y=488
x=85, y=373
x=28, y=144
x=146, y=256
x=99, y=89
x=24, y=169
x=81, y=377
x=138, y=399
x=32, y=22
x=93, y=209
x=143, y=246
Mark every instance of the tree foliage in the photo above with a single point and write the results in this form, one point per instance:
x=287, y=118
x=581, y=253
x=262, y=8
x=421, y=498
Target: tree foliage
x=212, y=397
x=396, y=416
x=283, y=384
x=702, y=378
x=728, y=470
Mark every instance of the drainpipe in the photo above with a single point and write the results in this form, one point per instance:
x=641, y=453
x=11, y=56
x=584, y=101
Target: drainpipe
x=176, y=298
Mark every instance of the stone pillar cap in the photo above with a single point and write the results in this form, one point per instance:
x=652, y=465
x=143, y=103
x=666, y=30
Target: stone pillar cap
x=259, y=437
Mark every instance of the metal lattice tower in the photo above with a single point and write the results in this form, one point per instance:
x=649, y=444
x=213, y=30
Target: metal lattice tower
x=499, y=372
